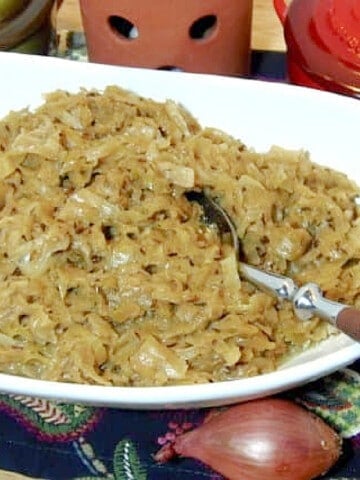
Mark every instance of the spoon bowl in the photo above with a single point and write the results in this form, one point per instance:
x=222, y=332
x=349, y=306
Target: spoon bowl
x=308, y=300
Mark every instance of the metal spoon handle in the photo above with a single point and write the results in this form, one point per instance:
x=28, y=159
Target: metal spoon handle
x=309, y=301
x=278, y=285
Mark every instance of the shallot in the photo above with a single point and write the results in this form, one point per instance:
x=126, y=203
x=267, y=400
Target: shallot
x=263, y=439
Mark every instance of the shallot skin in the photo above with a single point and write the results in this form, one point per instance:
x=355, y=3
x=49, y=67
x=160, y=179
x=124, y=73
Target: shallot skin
x=262, y=439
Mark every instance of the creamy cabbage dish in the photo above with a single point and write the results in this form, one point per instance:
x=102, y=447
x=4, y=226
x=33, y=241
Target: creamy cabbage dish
x=109, y=276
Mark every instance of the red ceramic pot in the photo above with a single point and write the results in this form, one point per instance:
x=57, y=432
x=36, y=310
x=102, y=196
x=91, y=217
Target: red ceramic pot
x=323, y=43
x=211, y=36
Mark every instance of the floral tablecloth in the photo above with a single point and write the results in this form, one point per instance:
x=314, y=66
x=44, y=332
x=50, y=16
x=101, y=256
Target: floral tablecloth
x=56, y=441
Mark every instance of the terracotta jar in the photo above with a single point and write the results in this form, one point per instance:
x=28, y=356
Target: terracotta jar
x=323, y=43
x=211, y=36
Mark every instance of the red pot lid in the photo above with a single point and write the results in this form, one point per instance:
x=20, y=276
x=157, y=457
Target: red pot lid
x=337, y=23
x=323, y=37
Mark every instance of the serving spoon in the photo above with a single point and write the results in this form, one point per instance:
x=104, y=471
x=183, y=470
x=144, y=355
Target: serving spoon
x=308, y=300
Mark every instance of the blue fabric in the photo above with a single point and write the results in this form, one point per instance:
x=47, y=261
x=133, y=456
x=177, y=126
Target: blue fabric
x=43, y=439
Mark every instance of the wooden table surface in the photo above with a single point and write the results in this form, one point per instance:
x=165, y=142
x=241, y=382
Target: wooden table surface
x=266, y=35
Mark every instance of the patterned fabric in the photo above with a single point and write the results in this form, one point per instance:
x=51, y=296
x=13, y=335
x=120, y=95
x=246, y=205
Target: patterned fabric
x=56, y=441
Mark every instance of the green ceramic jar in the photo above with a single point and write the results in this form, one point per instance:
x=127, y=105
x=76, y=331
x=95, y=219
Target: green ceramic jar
x=26, y=26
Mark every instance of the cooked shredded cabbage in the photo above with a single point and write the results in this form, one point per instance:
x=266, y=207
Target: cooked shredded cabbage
x=109, y=276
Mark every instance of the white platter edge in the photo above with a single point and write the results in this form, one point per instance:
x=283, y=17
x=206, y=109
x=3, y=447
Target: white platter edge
x=190, y=396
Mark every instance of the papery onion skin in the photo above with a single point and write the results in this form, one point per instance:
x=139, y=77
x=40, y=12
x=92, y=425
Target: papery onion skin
x=262, y=439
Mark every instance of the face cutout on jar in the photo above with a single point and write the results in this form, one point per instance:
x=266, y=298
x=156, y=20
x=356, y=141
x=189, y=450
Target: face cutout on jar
x=188, y=36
